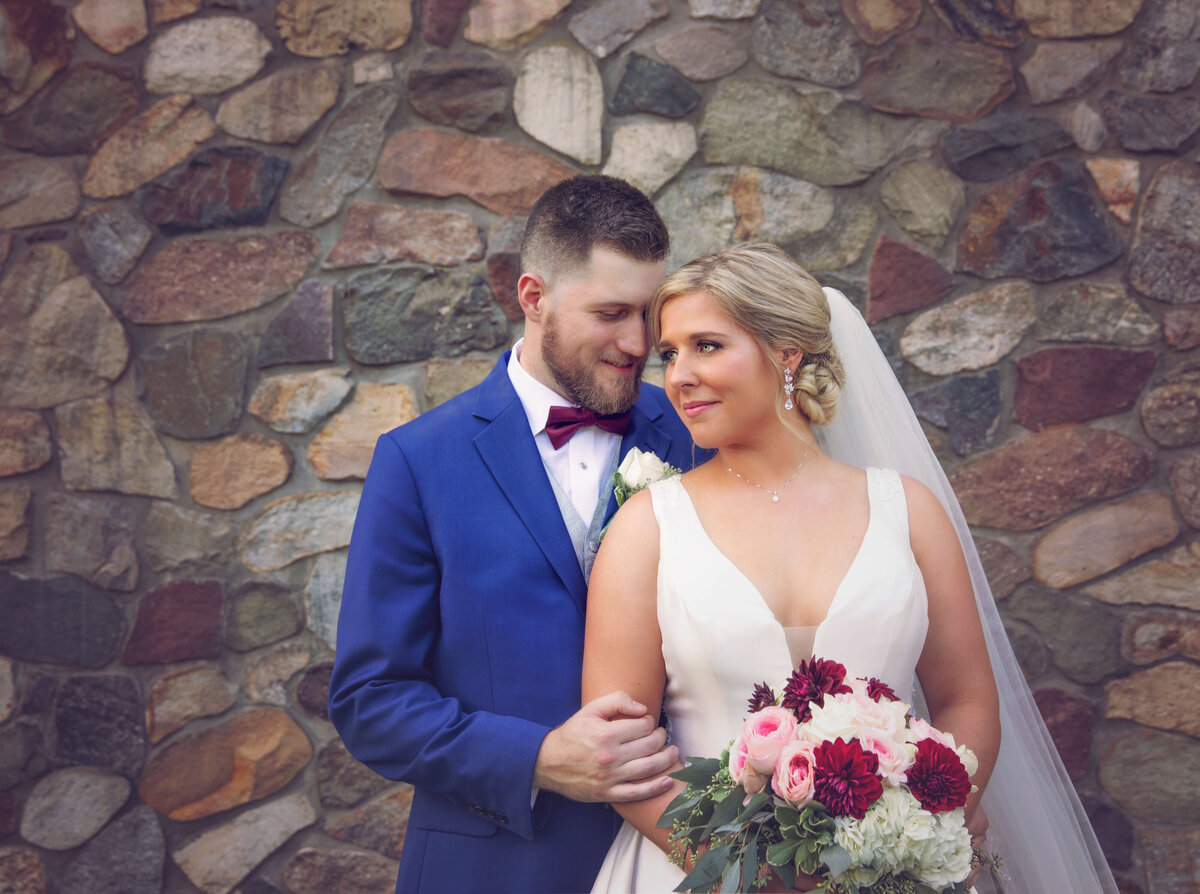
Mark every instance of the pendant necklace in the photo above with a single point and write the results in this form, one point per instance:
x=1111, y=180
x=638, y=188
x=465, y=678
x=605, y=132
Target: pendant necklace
x=774, y=493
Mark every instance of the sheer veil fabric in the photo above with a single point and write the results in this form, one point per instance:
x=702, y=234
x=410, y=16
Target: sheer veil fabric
x=1037, y=822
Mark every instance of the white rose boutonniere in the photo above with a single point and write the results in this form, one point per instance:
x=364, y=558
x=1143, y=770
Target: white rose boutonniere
x=637, y=471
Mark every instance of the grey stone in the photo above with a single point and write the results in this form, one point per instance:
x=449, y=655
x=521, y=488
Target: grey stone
x=724, y=9
x=1084, y=638
x=990, y=23
x=999, y=145
x=323, y=595
x=127, y=857
x=217, y=859
x=265, y=683
x=968, y=407
x=1005, y=569
x=292, y=528
x=406, y=313
x=296, y=402
x=205, y=55
x=1031, y=652
x=649, y=153
x=817, y=137
x=1150, y=123
x=1164, y=261
x=1063, y=70
x=284, y=106
x=303, y=331
x=703, y=53
x=260, y=613
x=1155, y=776
x=36, y=191
x=648, y=85
x=971, y=332
x=23, y=755
x=1093, y=312
x=89, y=538
x=559, y=100
x=342, y=160
x=709, y=209
x=339, y=871
x=808, y=39
x=15, y=503
x=113, y=238
x=179, y=539
x=195, y=382
x=76, y=112
x=1042, y=224
x=1170, y=410
x=59, y=621
x=1172, y=579
x=608, y=25
x=69, y=806
x=98, y=720
x=181, y=696
x=468, y=90
x=843, y=242
x=108, y=442
x=1085, y=125
x=1164, y=54
x=1184, y=474
x=343, y=781
x=924, y=199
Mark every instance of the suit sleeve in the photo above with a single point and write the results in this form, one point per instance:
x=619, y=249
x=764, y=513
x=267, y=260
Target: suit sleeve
x=382, y=695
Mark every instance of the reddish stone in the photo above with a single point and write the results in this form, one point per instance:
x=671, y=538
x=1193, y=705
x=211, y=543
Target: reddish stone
x=504, y=263
x=501, y=176
x=1005, y=570
x=1152, y=636
x=1060, y=385
x=42, y=28
x=951, y=80
x=244, y=759
x=440, y=20
x=1042, y=225
x=204, y=279
x=1181, y=327
x=877, y=23
x=1070, y=720
x=178, y=621
x=902, y=280
x=991, y=23
x=21, y=871
x=303, y=332
x=1184, y=474
x=1172, y=860
x=226, y=187
x=24, y=442
x=376, y=233
x=379, y=824
x=313, y=690
x=1037, y=479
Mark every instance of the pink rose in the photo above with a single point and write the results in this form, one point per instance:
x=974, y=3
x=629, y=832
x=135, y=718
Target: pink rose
x=894, y=758
x=793, y=779
x=765, y=733
x=741, y=771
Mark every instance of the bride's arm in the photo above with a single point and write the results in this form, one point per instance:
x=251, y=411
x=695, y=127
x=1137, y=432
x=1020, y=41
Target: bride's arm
x=954, y=669
x=623, y=643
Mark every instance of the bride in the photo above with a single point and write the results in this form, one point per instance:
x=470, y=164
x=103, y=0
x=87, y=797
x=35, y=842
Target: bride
x=801, y=537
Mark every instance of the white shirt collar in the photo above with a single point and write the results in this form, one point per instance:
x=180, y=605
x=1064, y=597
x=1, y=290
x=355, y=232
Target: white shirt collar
x=536, y=398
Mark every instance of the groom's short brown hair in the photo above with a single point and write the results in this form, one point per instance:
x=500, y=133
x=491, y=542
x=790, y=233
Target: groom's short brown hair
x=579, y=214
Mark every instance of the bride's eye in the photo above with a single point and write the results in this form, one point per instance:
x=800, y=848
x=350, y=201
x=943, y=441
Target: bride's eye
x=707, y=347
x=668, y=355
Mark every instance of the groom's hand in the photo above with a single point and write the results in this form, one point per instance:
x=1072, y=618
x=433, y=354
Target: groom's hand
x=609, y=750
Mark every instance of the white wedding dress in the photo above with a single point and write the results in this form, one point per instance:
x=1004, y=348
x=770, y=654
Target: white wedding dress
x=720, y=639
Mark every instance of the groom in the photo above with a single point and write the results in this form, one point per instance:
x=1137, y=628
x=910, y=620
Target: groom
x=461, y=634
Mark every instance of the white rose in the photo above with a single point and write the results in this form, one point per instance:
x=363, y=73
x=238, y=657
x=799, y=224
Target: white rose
x=639, y=469
x=836, y=717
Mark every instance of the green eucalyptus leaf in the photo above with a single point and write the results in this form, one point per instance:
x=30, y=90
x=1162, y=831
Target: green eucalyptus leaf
x=835, y=859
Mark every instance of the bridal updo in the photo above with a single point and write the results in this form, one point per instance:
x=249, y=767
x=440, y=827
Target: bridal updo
x=783, y=308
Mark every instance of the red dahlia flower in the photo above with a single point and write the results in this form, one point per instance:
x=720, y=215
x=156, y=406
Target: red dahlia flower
x=810, y=682
x=938, y=778
x=763, y=697
x=877, y=690
x=845, y=778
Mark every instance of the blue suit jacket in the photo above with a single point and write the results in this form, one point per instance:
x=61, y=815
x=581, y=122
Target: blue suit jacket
x=460, y=641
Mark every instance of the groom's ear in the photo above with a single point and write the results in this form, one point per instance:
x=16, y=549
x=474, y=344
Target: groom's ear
x=533, y=296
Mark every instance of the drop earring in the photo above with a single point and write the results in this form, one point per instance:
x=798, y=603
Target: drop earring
x=788, y=387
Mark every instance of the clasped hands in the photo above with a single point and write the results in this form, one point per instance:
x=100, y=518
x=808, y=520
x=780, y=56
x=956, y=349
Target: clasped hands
x=611, y=749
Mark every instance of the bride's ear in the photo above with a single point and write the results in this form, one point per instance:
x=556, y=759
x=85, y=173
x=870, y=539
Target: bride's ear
x=791, y=358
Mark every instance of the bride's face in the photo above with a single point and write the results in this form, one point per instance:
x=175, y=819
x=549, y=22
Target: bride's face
x=716, y=376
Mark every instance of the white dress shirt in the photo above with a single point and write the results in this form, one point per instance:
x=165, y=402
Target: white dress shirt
x=579, y=466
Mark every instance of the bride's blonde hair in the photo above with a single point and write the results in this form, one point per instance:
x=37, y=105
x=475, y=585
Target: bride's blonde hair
x=779, y=304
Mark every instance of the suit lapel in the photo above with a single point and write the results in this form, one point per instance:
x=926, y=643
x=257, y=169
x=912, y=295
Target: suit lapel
x=507, y=448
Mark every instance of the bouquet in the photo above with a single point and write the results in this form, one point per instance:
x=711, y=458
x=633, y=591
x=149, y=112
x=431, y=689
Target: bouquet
x=836, y=780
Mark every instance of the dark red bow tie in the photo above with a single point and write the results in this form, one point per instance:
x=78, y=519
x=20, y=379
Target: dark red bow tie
x=563, y=422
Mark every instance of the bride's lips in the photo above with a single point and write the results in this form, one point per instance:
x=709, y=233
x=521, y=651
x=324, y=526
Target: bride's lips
x=694, y=408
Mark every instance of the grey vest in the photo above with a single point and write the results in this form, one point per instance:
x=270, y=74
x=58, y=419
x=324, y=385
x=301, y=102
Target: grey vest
x=585, y=537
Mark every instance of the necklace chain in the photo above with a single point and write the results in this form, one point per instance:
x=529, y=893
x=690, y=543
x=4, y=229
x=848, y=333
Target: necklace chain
x=774, y=493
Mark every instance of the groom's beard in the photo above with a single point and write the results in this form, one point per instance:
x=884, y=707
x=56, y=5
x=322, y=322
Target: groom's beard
x=584, y=381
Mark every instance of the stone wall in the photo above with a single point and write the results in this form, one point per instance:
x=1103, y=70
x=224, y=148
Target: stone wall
x=243, y=237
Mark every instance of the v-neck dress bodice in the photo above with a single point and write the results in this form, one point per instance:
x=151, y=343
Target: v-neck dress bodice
x=720, y=638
